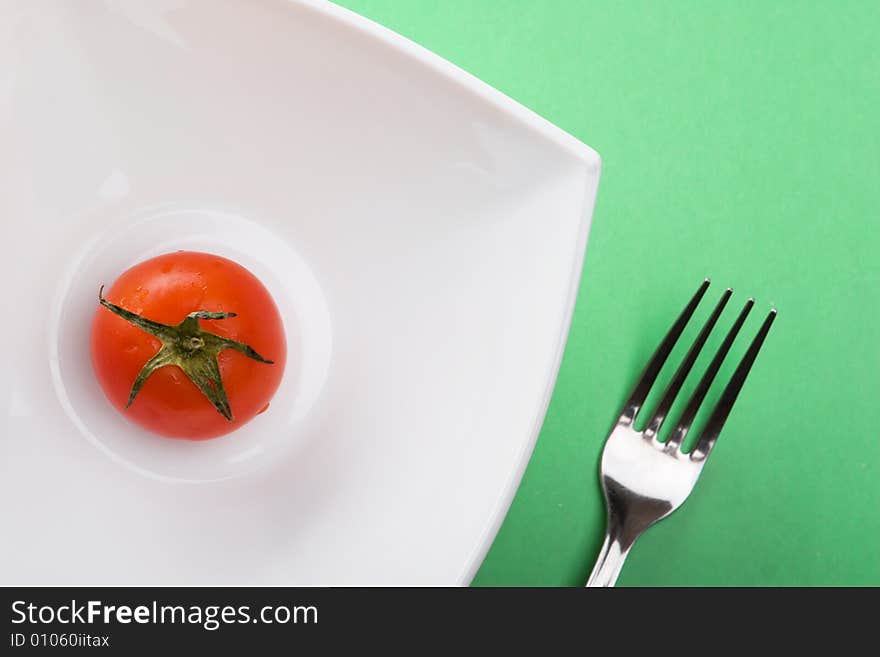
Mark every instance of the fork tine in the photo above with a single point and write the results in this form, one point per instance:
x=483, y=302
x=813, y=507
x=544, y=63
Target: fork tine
x=684, y=369
x=640, y=393
x=696, y=400
x=728, y=397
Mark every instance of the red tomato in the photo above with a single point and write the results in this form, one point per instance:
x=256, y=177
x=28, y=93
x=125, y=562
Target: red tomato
x=238, y=360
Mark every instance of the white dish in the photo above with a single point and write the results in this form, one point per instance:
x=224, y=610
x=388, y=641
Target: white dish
x=422, y=234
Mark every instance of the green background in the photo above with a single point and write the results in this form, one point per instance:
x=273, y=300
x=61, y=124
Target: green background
x=740, y=141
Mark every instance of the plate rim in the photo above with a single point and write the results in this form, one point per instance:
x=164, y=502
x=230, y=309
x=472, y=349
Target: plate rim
x=563, y=140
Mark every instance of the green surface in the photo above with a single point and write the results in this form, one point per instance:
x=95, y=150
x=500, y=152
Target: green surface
x=740, y=141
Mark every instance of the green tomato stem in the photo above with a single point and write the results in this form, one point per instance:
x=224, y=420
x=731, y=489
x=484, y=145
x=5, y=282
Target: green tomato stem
x=190, y=348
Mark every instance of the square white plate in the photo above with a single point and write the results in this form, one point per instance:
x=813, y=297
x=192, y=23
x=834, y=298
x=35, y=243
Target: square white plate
x=422, y=234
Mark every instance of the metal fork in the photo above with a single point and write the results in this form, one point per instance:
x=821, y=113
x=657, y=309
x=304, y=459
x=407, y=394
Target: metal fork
x=644, y=480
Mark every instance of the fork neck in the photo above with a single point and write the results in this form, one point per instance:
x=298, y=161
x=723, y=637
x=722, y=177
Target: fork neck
x=628, y=516
x=610, y=561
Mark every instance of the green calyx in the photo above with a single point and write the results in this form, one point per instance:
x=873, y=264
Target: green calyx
x=188, y=347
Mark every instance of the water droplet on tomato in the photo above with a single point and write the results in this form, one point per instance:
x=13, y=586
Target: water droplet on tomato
x=263, y=410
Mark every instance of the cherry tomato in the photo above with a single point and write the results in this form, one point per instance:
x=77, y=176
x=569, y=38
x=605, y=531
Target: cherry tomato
x=188, y=345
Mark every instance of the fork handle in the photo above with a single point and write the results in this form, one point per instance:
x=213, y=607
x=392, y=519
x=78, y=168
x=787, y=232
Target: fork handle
x=610, y=561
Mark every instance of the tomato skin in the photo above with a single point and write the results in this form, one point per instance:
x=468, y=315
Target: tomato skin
x=166, y=289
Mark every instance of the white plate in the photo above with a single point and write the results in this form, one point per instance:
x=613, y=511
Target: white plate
x=422, y=233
